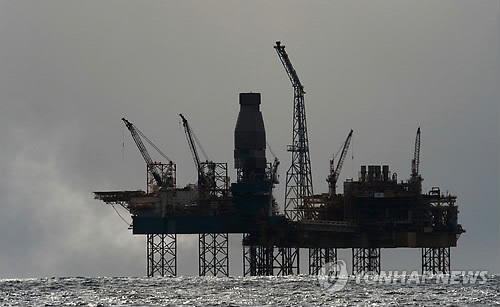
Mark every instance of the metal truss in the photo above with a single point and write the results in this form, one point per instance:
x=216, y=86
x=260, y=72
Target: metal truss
x=266, y=261
x=218, y=181
x=213, y=254
x=167, y=172
x=286, y=261
x=436, y=260
x=257, y=261
x=299, y=184
x=318, y=257
x=365, y=260
x=214, y=188
x=162, y=254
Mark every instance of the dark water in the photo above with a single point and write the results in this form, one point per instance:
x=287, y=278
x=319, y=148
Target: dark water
x=239, y=291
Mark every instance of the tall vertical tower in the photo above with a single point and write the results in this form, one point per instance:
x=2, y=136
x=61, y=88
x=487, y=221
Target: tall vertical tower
x=252, y=193
x=299, y=187
x=250, y=140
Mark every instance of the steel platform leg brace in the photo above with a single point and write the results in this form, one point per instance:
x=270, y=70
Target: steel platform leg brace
x=365, y=260
x=318, y=257
x=257, y=261
x=286, y=261
x=162, y=254
x=213, y=254
x=268, y=261
x=436, y=260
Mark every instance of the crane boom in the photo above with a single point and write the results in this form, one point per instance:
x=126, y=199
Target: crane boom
x=342, y=156
x=285, y=60
x=415, y=163
x=192, y=145
x=335, y=172
x=136, y=133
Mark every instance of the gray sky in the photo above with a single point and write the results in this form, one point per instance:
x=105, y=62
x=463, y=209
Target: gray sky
x=69, y=70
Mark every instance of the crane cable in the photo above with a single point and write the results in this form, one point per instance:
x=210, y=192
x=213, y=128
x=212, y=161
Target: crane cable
x=352, y=156
x=270, y=149
x=123, y=142
x=128, y=224
x=199, y=144
x=195, y=138
x=152, y=144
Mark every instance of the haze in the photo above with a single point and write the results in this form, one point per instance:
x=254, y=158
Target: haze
x=70, y=70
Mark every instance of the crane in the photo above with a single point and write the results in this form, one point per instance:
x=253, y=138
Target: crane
x=136, y=135
x=292, y=74
x=415, y=163
x=192, y=141
x=299, y=186
x=273, y=175
x=192, y=145
x=335, y=171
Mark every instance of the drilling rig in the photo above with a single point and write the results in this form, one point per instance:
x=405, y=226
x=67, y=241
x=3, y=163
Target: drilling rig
x=375, y=211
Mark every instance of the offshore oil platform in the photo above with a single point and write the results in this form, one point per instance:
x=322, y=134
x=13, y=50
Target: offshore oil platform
x=374, y=212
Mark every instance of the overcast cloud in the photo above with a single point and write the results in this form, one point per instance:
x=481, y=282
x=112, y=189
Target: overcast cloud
x=70, y=70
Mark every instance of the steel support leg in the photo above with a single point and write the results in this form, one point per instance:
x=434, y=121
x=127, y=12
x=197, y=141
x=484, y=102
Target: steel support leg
x=257, y=261
x=318, y=257
x=436, y=260
x=214, y=254
x=286, y=261
x=249, y=260
x=265, y=261
x=365, y=260
x=162, y=254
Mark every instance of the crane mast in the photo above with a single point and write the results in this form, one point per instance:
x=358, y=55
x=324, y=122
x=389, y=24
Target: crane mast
x=299, y=188
x=136, y=135
x=335, y=172
x=415, y=163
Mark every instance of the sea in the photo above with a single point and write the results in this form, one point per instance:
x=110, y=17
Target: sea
x=299, y=290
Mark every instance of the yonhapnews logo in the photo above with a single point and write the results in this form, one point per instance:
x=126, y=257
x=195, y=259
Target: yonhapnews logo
x=333, y=276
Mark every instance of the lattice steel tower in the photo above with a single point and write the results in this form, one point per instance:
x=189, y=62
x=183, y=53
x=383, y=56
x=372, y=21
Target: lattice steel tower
x=299, y=187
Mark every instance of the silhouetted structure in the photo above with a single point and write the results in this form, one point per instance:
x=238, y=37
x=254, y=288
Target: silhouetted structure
x=375, y=211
